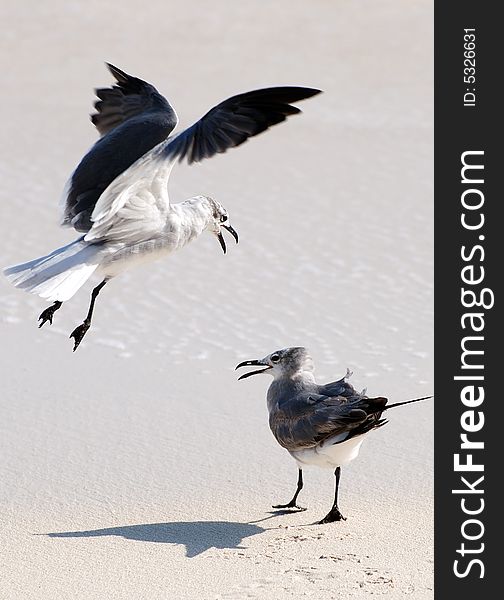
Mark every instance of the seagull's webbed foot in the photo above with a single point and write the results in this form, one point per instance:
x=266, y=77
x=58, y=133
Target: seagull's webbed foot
x=333, y=515
x=292, y=505
x=48, y=313
x=79, y=332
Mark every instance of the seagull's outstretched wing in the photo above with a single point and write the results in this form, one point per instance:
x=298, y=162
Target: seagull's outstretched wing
x=233, y=121
x=132, y=118
x=134, y=205
x=308, y=419
x=126, y=100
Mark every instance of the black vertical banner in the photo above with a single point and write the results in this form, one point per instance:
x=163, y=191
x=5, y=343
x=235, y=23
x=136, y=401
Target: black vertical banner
x=469, y=169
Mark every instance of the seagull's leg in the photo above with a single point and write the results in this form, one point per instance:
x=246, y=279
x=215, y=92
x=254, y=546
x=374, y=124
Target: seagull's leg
x=292, y=503
x=334, y=514
x=48, y=313
x=79, y=332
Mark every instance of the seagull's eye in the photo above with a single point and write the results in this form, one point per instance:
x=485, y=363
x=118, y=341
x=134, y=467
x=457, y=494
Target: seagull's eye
x=275, y=358
x=223, y=218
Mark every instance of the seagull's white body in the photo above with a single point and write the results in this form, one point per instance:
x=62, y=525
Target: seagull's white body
x=184, y=222
x=330, y=453
x=59, y=275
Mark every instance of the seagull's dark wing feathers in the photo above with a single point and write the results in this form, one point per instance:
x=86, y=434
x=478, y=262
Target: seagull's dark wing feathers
x=338, y=388
x=233, y=121
x=308, y=419
x=129, y=98
x=132, y=118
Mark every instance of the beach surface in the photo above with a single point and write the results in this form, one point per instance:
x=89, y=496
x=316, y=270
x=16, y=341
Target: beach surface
x=139, y=467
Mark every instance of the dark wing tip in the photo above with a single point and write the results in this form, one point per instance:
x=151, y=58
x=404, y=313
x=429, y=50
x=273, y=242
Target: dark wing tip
x=309, y=92
x=235, y=120
x=378, y=402
x=286, y=93
x=290, y=93
x=121, y=76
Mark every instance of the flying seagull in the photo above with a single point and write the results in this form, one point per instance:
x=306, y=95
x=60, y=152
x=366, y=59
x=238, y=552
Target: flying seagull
x=117, y=196
x=322, y=425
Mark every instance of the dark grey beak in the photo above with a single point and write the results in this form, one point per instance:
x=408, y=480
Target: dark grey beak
x=220, y=237
x=231, y=231
x=252, y=363
x=222, y=243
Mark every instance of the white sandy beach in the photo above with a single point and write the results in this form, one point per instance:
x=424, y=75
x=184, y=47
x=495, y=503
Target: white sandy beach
x=139, y=467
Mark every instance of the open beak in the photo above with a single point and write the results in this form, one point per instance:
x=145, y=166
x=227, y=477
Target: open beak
x=253, y=363
x=220, y=237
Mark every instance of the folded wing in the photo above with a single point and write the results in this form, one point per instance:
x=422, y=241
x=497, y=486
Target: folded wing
x=309, y=419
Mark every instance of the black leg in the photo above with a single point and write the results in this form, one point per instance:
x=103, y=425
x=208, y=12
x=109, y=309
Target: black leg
x=292, y=503
x=48, y=313
x=79, y=332
x=334, y=514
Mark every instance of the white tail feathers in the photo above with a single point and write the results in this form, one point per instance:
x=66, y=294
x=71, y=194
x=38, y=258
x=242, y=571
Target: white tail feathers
x=58, y=275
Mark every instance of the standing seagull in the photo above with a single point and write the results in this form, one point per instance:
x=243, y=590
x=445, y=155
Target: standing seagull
x=322, y=425
x=118, y=198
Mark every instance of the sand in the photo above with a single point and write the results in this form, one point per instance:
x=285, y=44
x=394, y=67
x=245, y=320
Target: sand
x=138, y=467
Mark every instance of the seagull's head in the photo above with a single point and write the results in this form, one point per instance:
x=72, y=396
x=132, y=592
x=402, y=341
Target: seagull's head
x=219, y=219
x=282, y=363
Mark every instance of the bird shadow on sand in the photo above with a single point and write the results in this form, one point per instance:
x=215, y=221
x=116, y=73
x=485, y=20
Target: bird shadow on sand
x=196, y=536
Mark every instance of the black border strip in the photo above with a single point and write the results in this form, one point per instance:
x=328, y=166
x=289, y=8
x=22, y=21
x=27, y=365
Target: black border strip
x=468, y=129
